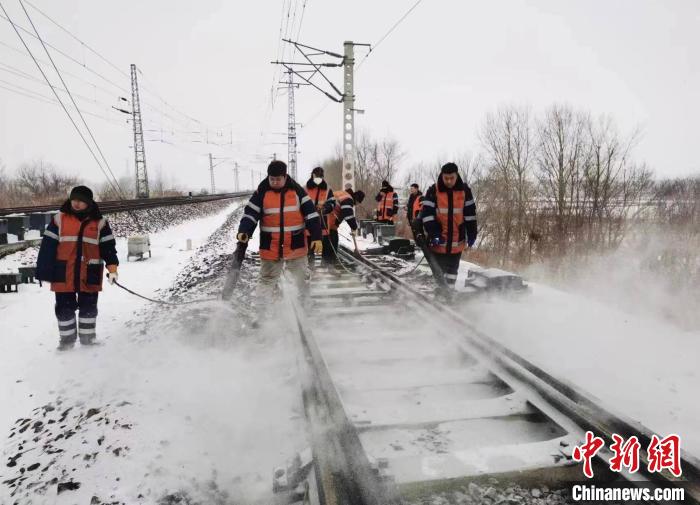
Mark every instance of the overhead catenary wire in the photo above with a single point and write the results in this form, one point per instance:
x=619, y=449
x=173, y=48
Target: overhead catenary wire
x=70, y=95
x=58, y=98
x=123, y=89
x=372, y=48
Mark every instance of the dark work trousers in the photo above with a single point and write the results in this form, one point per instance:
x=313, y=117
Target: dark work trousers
x=68, y=327
x=330, y=245
x=449, y=263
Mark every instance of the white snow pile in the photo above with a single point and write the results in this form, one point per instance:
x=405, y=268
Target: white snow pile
x=181, y=405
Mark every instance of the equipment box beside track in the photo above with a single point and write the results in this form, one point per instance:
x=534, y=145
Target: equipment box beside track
x=138, y=246
x=494, y=280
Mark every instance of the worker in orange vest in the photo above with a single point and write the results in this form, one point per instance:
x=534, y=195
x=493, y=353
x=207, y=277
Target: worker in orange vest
x=415, y=203
x=76, y=246
x=322, y=196
x=344, y=210
x=285, y=213
x=387, y=203
x=449, y=219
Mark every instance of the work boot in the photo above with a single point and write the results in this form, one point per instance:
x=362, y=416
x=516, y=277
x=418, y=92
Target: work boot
x=66, y=345
x=67, y=332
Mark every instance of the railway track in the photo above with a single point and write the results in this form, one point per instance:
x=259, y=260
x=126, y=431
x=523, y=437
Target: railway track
x=110, y=206
x=405, y=398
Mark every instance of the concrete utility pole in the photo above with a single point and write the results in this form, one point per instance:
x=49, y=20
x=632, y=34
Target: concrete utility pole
x=291, y=128
x=349, y=116
x=211, y=173
x=139, y=147
x=235, y=171
x=347, y=97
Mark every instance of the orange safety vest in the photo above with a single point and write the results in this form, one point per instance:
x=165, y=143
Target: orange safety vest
x=449, y=211
x=282, y=226
x=384, y=205
x=319, y=197
x=78, y=265
x=337, y=211
x=416, y=206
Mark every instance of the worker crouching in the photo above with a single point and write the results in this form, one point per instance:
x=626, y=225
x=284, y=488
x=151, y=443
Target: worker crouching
x=285, y=213
x=77, y=244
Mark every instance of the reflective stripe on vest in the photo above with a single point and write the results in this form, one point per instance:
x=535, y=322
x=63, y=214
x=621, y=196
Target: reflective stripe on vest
x=449, y=212
x=283, y=224
x=78, y=249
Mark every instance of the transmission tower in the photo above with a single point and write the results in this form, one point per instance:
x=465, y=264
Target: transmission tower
x=139, y=147
x=291, y=128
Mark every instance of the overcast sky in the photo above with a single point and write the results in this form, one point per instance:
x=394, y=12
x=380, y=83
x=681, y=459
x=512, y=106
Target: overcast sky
x=429, y=84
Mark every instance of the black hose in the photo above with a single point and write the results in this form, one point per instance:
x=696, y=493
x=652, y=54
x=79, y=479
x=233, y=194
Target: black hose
x=163, y=302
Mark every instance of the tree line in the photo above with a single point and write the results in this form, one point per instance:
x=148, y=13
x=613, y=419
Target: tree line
x=547, y=186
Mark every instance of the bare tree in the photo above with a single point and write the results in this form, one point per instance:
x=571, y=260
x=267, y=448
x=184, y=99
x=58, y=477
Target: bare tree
x=507, y=138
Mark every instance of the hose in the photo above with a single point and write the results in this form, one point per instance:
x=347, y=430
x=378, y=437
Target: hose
x=163, y=302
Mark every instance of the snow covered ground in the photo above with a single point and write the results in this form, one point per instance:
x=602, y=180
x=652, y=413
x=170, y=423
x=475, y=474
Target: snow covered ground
x=176, y=403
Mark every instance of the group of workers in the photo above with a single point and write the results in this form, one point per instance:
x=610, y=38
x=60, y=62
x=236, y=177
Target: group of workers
x=295, y=222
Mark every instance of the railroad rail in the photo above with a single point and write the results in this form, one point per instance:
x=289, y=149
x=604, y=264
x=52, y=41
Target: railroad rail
x=109, y=206
x=406, y=398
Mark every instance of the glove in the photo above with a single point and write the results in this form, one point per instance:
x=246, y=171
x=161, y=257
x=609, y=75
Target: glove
x=470, y=242
x=317, y=246
x=435, y=241
x=112, y=277
x=242, y=237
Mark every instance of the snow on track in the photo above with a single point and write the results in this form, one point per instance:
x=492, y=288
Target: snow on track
x=164, y=411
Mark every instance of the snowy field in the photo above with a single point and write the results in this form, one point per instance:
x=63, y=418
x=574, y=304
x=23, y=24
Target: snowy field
x=176, y=403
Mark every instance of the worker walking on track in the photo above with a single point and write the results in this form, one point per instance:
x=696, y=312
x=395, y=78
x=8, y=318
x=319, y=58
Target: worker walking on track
x=322, y=197
x=387, y=203
x=77, y=243
x=415, y=204
x=285, y=213
x=449, y=219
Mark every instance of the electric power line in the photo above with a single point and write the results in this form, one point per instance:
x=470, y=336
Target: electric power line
x=24, y=43
x=372, y=48
x=70, y=95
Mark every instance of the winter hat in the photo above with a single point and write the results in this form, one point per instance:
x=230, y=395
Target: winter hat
x=385, y=183
x=277, y=168
x=82, y=193
x=449, y=168
x=358, y=196
x=318, y=172
x=414, y=185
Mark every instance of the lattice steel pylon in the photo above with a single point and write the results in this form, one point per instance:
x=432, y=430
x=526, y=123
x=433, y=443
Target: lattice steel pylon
x=139, y=147
x=291, y=128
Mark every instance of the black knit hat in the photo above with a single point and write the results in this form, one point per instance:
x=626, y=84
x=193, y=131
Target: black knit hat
x=385, y=183
x=318, y=172
x=277, y=168
x=414, y=185
x=82, y=193
x=449, y=168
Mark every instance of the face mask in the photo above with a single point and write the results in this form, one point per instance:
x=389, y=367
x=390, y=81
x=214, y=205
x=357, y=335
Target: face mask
x=318, y=180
